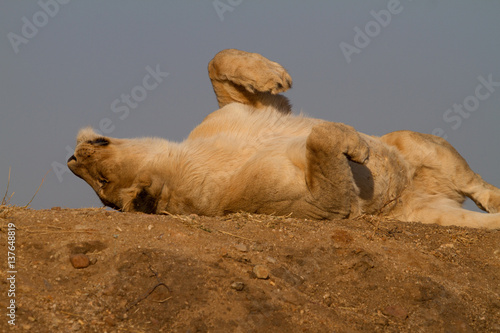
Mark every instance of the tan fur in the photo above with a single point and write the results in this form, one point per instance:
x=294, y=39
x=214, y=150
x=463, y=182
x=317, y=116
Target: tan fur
x=253, y=155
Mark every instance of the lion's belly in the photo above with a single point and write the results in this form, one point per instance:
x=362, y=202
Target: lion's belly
x=228, y=174
x=271, y=181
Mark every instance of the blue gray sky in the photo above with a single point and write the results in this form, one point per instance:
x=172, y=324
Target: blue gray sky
x=427, y=66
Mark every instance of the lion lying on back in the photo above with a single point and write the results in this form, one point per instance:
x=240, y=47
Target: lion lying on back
x=253, y=155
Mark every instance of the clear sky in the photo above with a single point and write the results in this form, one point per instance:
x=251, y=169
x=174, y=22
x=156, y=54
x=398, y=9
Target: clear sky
x=427, y=65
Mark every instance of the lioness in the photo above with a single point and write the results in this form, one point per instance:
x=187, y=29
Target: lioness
x=253, y=155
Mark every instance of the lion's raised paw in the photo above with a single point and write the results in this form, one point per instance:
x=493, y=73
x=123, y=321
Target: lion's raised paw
x=271, y=77
x=250, y=70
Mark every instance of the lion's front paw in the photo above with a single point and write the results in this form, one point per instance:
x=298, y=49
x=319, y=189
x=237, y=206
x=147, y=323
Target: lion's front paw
x=250, y=70
x=339, y=138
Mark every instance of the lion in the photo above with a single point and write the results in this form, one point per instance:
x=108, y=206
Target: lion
x=254, y=155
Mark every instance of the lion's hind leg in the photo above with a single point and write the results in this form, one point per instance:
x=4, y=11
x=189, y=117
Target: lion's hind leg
x=249, y=78
x=441, y=172
x=486, y=196
x=447, y=212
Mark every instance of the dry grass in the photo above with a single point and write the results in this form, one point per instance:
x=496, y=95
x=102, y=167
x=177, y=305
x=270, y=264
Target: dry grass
x=5, y=200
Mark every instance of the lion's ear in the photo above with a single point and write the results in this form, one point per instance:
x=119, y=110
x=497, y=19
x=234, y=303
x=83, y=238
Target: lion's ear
x=87, y=134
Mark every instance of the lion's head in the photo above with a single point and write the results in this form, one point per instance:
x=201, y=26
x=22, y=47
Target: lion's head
x=106, y=164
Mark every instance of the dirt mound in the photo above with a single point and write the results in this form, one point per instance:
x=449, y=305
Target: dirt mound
x=246, y=273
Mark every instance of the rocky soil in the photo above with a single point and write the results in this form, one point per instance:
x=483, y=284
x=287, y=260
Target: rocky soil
x=95, y=270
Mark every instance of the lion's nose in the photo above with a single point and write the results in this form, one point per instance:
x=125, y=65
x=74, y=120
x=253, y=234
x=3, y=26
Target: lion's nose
x=72, y=158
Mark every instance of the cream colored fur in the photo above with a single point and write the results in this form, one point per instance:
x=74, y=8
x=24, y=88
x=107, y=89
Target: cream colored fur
x=253, y=155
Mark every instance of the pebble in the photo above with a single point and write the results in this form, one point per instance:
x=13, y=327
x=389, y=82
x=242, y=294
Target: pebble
x=271, y=260
x=241, y=247
x=238, y=285
x=79, y=260
x=327, y=298
x=258, y=247
x=261, y=272
x=110, y=320
x=109, y=290
x=395, y=311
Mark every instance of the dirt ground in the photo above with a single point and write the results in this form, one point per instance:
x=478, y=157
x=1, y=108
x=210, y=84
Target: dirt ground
x=246, y=273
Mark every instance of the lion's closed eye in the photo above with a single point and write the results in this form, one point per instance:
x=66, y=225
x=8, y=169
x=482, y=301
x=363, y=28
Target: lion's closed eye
x=99, y=142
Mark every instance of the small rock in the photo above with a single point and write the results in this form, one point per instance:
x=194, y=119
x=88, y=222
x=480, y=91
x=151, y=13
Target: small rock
x=395, y=311
x=150, y=227
x=109, y=290
x=79, y=260
x=223, y=252
x=241, y=247
x=271, y=260
x=261, y=272
x=238, y=285
x=110, y=320
x=56, y=208
x=327, y=299
x=93, y=261
x=47, y=284
x=258, y=247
